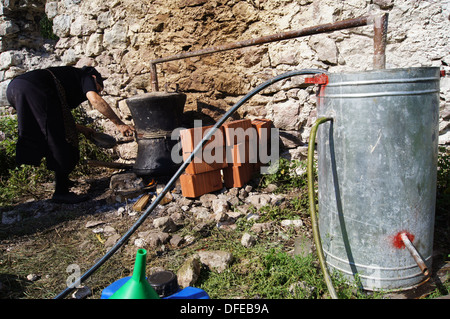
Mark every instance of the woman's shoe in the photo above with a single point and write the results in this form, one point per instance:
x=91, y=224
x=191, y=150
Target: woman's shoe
x=68, y=198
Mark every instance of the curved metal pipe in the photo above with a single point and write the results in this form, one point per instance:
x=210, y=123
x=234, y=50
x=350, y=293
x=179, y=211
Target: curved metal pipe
x=180, y=171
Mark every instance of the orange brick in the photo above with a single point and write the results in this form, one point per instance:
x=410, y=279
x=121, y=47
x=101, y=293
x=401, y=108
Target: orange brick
x=192, y=136
x=241, y=153
x=189, y=140
x=237, y=176
x=235, y=127
x=198, y=165
x=262, y=139
x=260, y=124
x=196, y=185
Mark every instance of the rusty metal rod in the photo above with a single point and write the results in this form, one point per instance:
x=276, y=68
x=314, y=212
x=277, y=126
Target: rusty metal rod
x=380, y=27
x=340, y=25
x=415, y=254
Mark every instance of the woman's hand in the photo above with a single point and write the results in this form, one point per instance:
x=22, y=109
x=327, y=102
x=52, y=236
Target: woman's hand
x=103, y=107
x=126, y=130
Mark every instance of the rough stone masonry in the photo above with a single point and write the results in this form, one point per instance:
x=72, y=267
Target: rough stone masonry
x=121, y=37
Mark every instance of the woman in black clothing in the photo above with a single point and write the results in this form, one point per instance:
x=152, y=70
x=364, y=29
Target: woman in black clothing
x=43, y=100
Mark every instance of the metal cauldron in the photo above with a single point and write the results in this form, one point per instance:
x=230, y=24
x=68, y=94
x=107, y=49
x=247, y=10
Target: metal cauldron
x=155, y=116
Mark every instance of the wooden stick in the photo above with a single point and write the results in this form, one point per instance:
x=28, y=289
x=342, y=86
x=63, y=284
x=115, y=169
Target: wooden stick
x=109, y=164
x=141, y=203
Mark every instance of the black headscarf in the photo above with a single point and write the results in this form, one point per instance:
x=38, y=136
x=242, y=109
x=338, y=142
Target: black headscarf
x=90, y=70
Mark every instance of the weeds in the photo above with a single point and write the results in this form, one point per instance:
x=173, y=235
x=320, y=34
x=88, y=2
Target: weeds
x=16, y=181
x=289, y=175
x=46, y=28
x=443, y=172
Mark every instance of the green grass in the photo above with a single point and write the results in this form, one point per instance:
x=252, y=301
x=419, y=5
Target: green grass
x=269, y=270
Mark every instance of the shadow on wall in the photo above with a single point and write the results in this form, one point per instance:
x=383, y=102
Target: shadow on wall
x=205, y=112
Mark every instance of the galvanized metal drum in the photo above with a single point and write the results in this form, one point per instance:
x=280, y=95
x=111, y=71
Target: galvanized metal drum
x=377, y=166
x=155, y=116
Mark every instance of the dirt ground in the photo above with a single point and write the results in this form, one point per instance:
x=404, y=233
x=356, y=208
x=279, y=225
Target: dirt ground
x=43, y=232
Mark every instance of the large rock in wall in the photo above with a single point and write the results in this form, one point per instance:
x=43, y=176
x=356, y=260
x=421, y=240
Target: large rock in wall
x=22, y=47
x=121, y=37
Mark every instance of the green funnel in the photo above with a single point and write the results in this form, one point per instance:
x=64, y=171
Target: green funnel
x=137, y=287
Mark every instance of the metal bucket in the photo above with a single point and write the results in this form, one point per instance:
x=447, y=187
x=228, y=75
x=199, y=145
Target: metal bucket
x=155, y=116
x=377, y=166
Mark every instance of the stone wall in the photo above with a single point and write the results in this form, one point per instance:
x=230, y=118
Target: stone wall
x=121, y=37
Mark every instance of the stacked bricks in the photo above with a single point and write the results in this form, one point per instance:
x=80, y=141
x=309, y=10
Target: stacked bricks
x=239, y=170
x=202, y=176
x=230, y=152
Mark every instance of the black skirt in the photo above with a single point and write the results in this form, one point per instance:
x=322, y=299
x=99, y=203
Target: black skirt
x=41, y=125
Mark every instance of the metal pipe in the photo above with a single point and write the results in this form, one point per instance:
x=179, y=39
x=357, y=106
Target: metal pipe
x=380, y=26
x=380, y=29
x=154, y=77
x=415, y=254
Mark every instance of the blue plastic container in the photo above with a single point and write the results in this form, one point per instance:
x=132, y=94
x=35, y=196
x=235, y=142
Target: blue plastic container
x=189, y=293
x=186, y=293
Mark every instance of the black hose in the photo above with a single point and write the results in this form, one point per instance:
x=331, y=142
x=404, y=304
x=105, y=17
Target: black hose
x=180, y=171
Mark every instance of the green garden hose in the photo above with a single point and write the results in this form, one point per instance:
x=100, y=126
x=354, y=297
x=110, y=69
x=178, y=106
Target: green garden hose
x=312, y=205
